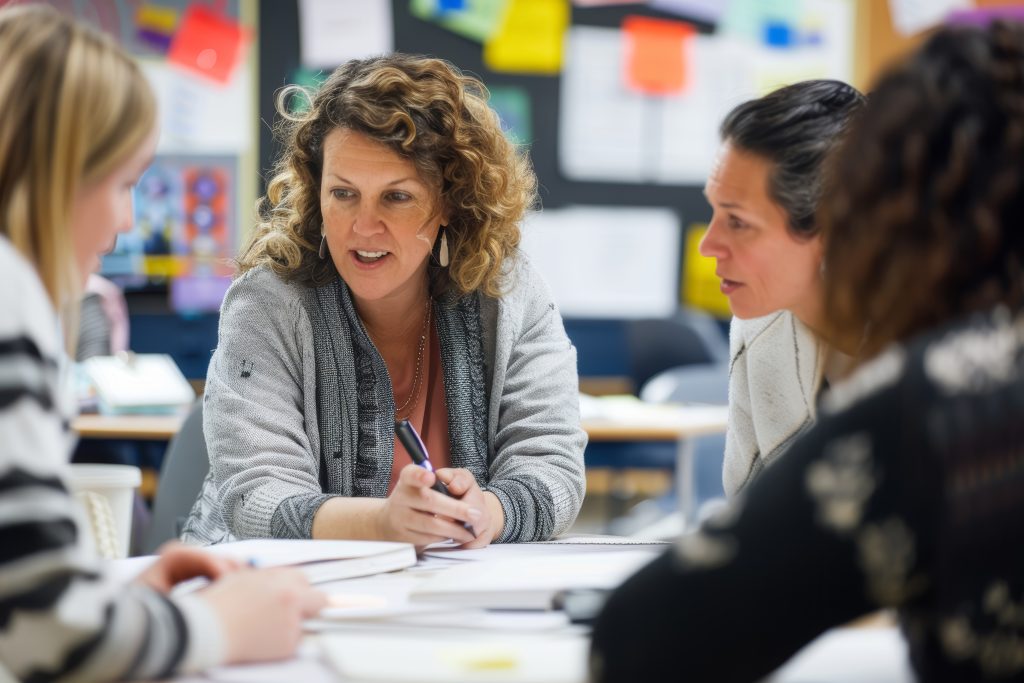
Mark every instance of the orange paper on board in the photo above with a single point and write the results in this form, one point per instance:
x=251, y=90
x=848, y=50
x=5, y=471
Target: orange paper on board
x=655, y=62
x=209, y=43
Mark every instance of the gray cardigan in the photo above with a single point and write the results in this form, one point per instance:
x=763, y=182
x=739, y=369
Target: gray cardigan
x=298, y=408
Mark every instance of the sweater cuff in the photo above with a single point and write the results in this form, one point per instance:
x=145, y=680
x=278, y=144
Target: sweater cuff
x=294, y=516
x=517, y=498
x=207, y=644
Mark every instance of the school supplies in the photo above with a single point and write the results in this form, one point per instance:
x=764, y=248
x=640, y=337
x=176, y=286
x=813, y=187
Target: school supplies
x=322, y=560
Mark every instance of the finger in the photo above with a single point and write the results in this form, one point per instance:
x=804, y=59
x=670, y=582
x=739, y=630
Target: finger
x=458, y=480
x=414, y=476
x=478, y=542
x=433, y=503
x=182, y=562
x=440, y=527
x=313, y=601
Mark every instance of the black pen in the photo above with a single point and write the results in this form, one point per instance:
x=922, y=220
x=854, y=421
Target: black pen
x=406, y=433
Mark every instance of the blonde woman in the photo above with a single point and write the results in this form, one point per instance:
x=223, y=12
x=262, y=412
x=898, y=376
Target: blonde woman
x=385, y=283
x=77, y=128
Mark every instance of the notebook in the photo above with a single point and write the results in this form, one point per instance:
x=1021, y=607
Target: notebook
x=322, y=560
x=530, y=583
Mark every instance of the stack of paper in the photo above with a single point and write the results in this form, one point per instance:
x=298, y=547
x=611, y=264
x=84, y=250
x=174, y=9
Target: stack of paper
x=322, y=561
x=149, y=384
x=530, y=583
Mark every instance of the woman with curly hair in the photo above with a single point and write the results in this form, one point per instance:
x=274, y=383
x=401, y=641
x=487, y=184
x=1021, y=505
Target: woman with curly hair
x=384, y=283
x=908, y=493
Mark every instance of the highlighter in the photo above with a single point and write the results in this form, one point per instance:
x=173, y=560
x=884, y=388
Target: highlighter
x=406, y=433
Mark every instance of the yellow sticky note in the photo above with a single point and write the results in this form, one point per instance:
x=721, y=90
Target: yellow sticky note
x=701, y=287
x=156, y=18
x=530, y=38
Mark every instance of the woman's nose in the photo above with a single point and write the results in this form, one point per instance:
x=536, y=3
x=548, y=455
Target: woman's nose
x=711, y=245
x=367, y=221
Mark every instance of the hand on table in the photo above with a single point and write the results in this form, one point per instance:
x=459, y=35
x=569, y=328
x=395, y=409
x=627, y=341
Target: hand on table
x=417, y=514
x=177, y=563
x=462, y=484
x=261, y=611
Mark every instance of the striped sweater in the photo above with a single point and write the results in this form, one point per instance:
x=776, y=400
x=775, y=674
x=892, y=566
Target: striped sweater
x=61, y=618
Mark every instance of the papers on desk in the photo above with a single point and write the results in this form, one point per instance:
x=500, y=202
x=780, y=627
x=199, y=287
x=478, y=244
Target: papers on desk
x=142, y=383
x=478, y=658
x=322, y=561
x=850, y=655
x=529, y=583
x=628, y=409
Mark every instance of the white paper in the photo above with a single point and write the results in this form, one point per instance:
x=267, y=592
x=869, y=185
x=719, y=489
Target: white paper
x=850, y=655
x=911, y=16
x=608, y=132
x=601, y=131
x=530, y=583
x=138, y=383
x=613, y=262
x=199, y=116
x=333, y=31
x=632, y=412
x=477, y=658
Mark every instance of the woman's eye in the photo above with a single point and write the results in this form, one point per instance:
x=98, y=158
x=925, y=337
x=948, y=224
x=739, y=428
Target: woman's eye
x=736, y=222
x=398, y=196
x=341, y=194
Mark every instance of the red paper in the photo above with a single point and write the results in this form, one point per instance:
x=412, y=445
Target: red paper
x=209, y=43
x=655, y=62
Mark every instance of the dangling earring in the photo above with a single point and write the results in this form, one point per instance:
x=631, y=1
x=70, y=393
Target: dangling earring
x=442, y=253
x=323, y=245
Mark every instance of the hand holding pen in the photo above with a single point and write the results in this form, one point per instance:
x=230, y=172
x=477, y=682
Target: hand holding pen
x=417, y=451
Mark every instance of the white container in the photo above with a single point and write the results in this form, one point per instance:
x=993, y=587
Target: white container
x=116, y=484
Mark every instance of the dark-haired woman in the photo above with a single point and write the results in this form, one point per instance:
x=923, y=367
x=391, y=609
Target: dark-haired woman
x=765, y=188
x=908, y=493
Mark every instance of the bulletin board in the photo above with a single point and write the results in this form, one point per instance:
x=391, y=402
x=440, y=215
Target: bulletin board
x=194, y=203
x=578, y=172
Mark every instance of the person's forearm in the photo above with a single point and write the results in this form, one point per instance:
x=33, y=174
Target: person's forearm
x=352, y=518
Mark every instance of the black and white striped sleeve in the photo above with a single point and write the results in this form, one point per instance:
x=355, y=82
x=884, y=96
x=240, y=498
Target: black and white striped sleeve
x=60, y=617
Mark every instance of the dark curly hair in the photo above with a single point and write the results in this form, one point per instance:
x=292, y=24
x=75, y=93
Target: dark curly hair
x=427, y=111
x=925, y=222
x=795, y=128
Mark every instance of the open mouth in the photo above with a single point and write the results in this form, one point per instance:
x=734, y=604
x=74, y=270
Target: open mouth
x=370, y=256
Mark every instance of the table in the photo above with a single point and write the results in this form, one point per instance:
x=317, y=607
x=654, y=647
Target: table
x=842, y=655
x=691, y=421
x=134, y=427
x=605, y=421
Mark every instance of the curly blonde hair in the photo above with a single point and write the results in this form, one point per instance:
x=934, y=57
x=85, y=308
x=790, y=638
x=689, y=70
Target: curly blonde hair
x=429, y=112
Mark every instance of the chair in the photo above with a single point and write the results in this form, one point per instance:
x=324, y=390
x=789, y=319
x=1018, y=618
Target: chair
x=689, y=337
x=699, y=478
x=181, y=478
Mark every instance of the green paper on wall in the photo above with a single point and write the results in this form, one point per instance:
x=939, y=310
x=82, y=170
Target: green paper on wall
x=513, y=107
x=477, y=19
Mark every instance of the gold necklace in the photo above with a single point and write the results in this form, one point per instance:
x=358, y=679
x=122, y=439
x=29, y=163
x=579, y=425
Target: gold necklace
x=417, y=378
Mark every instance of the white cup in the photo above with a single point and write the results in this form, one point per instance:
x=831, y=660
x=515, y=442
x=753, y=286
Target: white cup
x=115, y=483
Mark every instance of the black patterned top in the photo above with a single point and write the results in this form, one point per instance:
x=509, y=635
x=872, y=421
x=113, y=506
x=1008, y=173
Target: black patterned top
x=908, y=494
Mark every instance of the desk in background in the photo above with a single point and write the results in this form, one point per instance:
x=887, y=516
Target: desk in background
x=129, y=427
x=622, y=434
